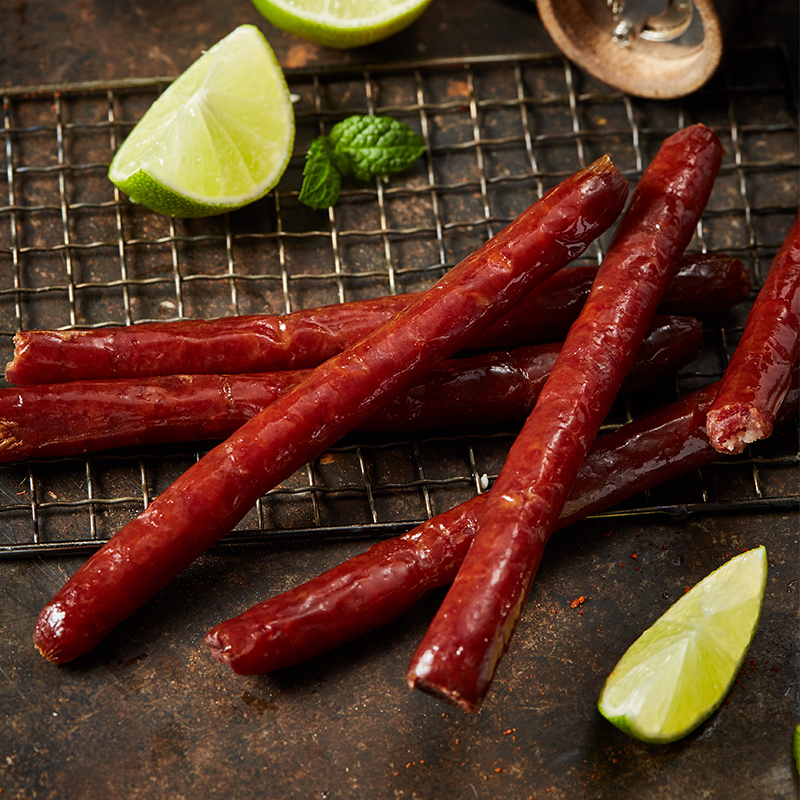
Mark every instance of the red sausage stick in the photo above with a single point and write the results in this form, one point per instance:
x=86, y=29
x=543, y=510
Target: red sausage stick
x=377, y=586
x=79, y=417
x=759, y=372
x=458, y=656
x=704, y=284
x=213, y=495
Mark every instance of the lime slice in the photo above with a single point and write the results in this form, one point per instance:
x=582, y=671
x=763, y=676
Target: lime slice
x=342, y=23
x=796, y=748
x=679, y=670
x=218, y=138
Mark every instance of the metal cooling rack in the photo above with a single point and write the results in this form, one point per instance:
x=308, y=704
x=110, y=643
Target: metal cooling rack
x=499, y=132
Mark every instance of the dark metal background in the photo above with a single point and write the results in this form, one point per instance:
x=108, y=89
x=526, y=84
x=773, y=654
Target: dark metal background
x=148, y=714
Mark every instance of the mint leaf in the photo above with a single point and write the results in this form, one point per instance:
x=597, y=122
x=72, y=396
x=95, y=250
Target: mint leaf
x=322, y=179
x=376, y=145
x=362, y=146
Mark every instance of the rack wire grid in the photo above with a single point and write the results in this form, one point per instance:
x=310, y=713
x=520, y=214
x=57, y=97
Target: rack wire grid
x=499, y=131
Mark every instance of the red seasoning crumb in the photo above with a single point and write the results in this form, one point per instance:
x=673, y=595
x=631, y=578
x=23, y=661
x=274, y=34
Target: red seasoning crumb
x=578, y=601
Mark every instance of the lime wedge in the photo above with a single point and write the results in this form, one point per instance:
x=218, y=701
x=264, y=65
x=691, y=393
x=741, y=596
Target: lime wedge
x=679, y=670
x=343, y=23
x=218, y=138
x=796, y=748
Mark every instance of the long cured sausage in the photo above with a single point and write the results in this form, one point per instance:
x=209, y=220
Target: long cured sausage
x=80, y=417
x=213, y=495
x=705, y=284
x=758, y=375
x=377, y=586
x=459, y=654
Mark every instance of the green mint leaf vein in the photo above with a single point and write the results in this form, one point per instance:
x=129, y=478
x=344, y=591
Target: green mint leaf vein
x=376, y=146
x=362, y=146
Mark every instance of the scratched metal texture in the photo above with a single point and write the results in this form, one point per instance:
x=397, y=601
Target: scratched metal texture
x=148, y=713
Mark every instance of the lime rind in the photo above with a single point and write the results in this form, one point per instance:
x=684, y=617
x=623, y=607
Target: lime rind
x=344, y=24
x=796, y=748
x=218, y=138
x=678, y=672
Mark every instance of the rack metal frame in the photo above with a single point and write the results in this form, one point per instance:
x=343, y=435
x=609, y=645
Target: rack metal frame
x=499, y=131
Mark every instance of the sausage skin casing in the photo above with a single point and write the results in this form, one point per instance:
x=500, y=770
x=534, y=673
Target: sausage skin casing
x=215, y=493
x=79, y=417
x=377, y=586
x=758, y=375
x=458, y=656
x=704, y=284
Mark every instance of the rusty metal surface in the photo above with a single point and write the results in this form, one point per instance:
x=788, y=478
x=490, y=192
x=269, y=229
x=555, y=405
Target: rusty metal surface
x=148, y=714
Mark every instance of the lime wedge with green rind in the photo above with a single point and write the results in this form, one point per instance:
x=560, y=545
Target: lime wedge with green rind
x=344, y=23
x=796, y=748
x=218, y=138
x=678, y=672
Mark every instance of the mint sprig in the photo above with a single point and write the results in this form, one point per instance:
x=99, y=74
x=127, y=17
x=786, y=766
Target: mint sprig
x=362, y=146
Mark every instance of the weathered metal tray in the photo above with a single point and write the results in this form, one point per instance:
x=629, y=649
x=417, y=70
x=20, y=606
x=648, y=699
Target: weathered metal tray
x=148, y=713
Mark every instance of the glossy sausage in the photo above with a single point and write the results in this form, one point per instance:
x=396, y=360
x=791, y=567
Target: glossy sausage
x=213, y=495
x=758, y=375
x=459, y=654
x=379, y=585
x=80, y=417
x=705, y=284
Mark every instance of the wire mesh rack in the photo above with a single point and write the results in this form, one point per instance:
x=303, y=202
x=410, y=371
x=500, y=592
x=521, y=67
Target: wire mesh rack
x=499, y=131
